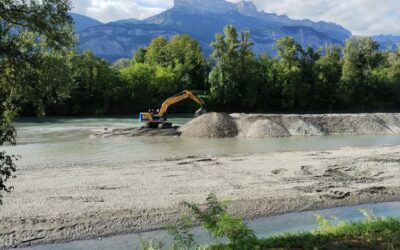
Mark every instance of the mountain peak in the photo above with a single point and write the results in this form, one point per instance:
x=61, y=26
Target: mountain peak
x=247, y=8
x=212, y=6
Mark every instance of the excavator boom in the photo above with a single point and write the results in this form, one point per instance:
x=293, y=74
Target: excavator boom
x=158, y=120
x=186, y=94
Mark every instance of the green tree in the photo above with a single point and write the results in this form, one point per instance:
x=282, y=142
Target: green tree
x=182, y=53
x=188, y=62
x=288, y=68
x=29, y=29
x=147, y=85
x=140, y=56
x=96, y=86
x=393, y=75
x=157, y=53
x=327, y=73
x=234, y=77
x=361, y=57
x=139, y=92
x=269, y=90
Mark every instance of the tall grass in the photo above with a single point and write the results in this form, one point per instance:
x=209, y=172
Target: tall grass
x=372, y=233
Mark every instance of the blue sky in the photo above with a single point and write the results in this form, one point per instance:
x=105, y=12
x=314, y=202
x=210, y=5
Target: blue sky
x=362, y=17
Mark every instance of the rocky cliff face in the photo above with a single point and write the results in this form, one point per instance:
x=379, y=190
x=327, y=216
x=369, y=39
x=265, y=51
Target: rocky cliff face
x=247, y=8
x=202, y=19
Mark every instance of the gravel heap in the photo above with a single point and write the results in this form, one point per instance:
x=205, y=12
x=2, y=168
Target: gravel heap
x=221, y=125
x=261, y=126
x=211, y=125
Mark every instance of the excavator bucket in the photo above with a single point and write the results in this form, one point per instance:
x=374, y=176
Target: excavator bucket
x=201, y=111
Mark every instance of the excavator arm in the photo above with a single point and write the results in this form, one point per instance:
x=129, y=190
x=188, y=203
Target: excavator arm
x=186, y=94
x=159, y=120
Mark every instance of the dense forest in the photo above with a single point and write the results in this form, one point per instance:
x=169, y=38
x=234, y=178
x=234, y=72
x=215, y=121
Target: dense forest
x=358, y=77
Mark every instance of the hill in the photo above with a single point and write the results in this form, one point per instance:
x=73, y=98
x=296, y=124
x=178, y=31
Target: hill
x=202, y=19
x=82, y=22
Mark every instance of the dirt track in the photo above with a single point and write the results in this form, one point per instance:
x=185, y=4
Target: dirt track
x=70, y=203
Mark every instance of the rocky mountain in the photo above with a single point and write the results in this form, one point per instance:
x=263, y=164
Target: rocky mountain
x=388, y=42
x=82, y=22
x=202, y=19
x=127, y=21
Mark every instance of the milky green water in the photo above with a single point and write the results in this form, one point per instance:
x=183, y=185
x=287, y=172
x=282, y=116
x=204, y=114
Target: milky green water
x=56, y=142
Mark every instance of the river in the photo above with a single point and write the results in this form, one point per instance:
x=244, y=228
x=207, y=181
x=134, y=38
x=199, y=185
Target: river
x=66, y=141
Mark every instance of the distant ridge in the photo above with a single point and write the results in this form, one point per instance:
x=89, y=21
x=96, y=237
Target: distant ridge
x=202, y=19
x=82, y=22
x=388, y=42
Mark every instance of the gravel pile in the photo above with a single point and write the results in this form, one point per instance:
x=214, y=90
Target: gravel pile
x=358, y=124
x=300, y=127
x=261, y=127
x=221, y=125
x=211, y=125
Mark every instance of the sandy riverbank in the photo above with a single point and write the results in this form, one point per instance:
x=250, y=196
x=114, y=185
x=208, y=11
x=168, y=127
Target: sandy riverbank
x=71, y=203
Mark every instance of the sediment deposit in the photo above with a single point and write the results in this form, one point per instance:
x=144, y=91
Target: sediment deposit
x=57, y=204
x=221, y=125
x=264, y=126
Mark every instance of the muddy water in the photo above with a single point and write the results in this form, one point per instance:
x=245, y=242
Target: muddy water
x=53, y=142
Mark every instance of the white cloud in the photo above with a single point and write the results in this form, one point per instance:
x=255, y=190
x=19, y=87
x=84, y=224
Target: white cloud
x=111, y=10
x=362, y=17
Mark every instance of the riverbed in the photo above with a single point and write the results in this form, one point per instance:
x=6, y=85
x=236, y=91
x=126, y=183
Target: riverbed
x=74, y=187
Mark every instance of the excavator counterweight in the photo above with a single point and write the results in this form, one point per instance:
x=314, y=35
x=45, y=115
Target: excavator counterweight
x=159, y=119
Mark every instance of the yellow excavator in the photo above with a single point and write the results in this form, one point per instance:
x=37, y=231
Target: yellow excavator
x=158, y=119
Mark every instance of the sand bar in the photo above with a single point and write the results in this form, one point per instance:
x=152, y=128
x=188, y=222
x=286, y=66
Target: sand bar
x=59, y=204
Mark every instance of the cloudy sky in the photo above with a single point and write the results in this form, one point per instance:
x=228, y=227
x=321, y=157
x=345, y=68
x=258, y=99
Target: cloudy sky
x=362, y=17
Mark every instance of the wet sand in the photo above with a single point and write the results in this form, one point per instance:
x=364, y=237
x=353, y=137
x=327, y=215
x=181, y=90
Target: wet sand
x=58, y=204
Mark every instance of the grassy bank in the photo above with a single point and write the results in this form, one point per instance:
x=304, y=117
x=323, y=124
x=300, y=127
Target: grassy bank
x=377, y=233
x=371, y=233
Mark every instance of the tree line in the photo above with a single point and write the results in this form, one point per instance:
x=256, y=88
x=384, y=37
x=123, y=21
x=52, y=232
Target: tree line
x=357, y=77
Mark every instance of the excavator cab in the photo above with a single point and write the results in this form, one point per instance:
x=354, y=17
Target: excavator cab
x=159, y=120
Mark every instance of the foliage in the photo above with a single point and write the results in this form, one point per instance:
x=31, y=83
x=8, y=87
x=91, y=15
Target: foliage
x=182, y=54
x=95, y=87
x=234, y=76
x=372, y=233
x=7, y=162
x=358, y=77
x=35, y=38
x=361, y=57
x=216, y=219
x=183, y=238
x=150, y=245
